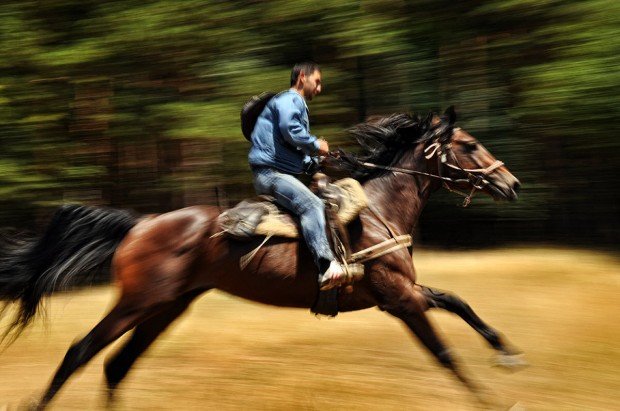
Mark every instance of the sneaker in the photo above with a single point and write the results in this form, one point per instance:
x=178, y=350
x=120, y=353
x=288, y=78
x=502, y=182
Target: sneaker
x=335, y=276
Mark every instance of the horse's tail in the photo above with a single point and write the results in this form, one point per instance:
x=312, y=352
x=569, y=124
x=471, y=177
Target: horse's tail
x=75, y=249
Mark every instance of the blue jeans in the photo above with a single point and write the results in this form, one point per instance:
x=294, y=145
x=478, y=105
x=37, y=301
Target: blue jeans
x=293, y=195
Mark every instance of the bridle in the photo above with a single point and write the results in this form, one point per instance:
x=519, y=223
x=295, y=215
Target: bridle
x=476, y=177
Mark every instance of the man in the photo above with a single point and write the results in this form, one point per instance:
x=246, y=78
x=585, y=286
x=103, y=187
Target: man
x=282, y=147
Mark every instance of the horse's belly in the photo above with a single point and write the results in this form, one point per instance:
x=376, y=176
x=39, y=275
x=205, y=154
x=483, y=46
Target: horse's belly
x=284, y=291
x=280, y=274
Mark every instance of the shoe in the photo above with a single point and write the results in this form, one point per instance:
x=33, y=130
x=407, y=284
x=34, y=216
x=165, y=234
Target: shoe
x=335, y=276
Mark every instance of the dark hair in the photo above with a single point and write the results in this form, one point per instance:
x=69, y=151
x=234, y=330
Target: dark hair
x=384, y=141
x=308, y=67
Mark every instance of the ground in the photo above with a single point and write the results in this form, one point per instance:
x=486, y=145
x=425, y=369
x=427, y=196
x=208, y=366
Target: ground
x=559, y=307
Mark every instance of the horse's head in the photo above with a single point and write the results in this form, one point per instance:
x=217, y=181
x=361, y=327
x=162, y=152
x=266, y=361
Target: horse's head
x=454, y=157
x=465, y=164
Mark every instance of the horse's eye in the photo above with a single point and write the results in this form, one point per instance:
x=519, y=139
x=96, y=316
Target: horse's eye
x=471, y=147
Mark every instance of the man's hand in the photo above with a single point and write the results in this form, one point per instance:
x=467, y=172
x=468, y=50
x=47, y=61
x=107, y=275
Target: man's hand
x=323, y=147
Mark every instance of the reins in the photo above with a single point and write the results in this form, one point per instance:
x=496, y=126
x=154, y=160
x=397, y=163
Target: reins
x=475, y=176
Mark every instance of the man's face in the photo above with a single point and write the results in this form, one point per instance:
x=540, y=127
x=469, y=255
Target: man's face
x=312, y=84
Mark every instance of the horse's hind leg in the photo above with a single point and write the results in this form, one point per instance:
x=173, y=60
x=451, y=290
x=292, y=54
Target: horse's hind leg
x=453, y=303
x=118, y=365
x=117, y=322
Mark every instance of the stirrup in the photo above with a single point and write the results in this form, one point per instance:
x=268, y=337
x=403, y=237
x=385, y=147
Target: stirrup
x=349, y=274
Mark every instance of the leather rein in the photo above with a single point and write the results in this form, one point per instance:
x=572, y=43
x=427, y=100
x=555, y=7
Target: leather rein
x=476, y=177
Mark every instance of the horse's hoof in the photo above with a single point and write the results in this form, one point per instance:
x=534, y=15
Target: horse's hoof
x=32, y=404
x=517, y=407
x=110, y=402
x=510, y=362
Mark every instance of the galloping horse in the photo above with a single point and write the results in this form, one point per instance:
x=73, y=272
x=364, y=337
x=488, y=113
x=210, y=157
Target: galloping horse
x=163, y=262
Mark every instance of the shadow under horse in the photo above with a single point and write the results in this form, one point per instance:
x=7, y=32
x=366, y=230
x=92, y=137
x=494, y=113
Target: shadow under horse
x=163, y=262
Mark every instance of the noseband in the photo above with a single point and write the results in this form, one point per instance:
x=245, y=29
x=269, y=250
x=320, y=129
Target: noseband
x=476, y=177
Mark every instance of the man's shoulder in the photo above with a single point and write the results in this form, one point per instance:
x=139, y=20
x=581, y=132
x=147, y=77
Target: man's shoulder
x=289, y=97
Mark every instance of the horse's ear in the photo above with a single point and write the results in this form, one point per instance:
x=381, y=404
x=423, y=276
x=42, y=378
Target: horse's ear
x=450, y=115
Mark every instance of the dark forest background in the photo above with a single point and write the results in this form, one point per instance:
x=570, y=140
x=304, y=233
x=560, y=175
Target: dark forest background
x=135, y=104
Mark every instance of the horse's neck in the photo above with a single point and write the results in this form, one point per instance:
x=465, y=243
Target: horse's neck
x=400, y=198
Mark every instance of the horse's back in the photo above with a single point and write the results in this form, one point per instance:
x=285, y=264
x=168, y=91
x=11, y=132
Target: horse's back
x=158, y=252
x=167, y=255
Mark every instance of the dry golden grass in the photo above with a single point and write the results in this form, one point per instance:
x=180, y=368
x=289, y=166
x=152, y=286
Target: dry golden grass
x=559, y=306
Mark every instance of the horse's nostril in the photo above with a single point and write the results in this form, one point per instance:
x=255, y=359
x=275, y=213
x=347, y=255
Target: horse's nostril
x=516, y=186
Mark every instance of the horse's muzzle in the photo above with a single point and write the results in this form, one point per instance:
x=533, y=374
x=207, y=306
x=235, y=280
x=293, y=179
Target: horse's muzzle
x=505, y=188
x=513, y=190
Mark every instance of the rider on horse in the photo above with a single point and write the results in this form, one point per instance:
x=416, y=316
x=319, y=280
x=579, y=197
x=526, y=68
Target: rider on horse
x=283, y=148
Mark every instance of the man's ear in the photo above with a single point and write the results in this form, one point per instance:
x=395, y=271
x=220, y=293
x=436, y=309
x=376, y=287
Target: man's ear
x=301, y=77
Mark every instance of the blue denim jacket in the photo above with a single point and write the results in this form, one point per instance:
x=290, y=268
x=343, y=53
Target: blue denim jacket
x=281, y=138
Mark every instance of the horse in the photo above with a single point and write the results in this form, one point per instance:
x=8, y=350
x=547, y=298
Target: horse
x=163, y=262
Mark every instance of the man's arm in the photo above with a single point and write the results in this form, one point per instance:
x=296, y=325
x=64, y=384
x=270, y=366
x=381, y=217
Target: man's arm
x=290, y=123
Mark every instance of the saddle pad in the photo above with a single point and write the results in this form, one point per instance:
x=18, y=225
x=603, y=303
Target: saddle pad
x=352, y=200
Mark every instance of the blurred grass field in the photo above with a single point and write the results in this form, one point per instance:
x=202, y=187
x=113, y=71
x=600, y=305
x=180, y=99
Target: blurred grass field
x=559, y=306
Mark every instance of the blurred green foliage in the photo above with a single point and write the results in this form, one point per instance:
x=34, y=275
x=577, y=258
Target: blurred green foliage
x=135, y=103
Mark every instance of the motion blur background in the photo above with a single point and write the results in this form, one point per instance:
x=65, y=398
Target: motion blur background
x=135, y=104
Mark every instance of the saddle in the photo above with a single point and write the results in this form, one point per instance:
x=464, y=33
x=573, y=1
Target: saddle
x=261, y=216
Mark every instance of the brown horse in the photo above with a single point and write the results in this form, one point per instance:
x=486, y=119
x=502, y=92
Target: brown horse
x=163, y=262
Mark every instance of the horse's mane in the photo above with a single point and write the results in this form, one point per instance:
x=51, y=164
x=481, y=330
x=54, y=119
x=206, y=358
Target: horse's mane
x=384, y=140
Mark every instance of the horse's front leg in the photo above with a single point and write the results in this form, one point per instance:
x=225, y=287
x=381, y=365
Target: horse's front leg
x=508, y=356
x=398, y=296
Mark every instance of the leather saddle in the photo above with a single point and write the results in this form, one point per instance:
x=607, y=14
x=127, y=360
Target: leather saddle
x=261, y=216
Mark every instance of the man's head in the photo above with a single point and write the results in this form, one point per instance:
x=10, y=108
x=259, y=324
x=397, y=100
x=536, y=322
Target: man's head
x=306, y=79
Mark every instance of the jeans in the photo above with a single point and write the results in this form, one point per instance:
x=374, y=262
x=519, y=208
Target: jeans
x=293, y=195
